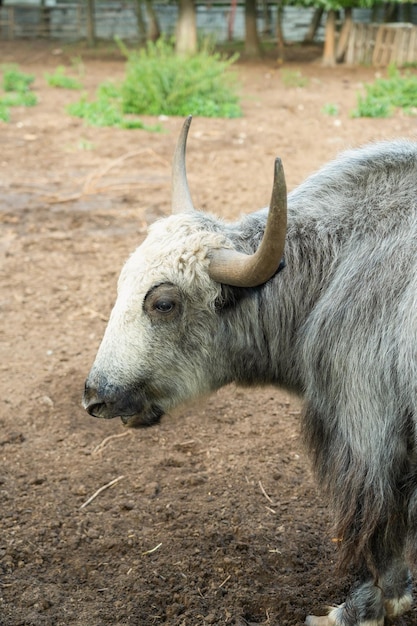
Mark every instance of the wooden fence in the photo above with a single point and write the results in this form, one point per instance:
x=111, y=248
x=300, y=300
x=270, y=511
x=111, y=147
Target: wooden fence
x=35, y=21
x=380, y=45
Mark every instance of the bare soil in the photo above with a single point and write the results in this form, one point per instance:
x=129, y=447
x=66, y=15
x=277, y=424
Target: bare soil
x=214, y=517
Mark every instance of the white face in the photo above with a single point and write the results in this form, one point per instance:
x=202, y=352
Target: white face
x=156, y=351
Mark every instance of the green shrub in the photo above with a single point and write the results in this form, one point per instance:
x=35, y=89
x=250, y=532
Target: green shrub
x=160, y=82
x=15, y=80
x=386, y=94
x=16, y=85
x=60, y=79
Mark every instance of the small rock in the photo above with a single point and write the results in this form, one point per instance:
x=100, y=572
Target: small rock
x=47, y=401
x=151, y=489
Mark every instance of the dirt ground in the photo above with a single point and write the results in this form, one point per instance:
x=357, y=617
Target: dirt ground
x=213, y=517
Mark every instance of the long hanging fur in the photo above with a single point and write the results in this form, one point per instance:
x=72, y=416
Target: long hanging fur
x=338, y=325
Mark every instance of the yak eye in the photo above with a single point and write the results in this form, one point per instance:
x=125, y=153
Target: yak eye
x=164, y=306
x=163, y=302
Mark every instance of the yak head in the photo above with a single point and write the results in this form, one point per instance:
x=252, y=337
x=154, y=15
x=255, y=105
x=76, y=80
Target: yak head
x=165, y=340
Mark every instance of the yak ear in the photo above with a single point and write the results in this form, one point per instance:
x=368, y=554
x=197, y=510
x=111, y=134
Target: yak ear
x=230, y=297
x=181, y=197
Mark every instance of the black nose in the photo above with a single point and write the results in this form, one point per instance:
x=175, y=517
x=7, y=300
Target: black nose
x=96, y=404
x=95, y=408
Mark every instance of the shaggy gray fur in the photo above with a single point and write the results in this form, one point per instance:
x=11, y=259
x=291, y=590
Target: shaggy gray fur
x=339, y=326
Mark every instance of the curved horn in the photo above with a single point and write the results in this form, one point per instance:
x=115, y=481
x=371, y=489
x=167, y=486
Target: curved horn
x=181, y=197
x=250, y=270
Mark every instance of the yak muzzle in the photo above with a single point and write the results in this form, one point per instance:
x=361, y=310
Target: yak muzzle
x=108, y=401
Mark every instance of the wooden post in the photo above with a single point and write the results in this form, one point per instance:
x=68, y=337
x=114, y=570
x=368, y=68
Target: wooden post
x=329, y=53
x=231, y=20
x=344, y=35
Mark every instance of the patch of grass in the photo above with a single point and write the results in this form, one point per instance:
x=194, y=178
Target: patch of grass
x=60, y=79
x=15, y=80
x=331, y=109
x=106, y=110
x=78, y=66
x=397, y=91
x=17, y=99
x=4, y=112
x=16, y=85
x=158, y=82
x=85, y=144
x=293, y=78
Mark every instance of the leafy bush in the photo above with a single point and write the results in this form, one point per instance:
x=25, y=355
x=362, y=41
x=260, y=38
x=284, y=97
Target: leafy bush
x=160, y=82
x=60, y=79
x=386, y=94
x=16, y=85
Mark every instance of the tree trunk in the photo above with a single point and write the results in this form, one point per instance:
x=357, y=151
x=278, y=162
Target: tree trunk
x=314, y=25
x=154, y=30
x=186, y=31
x=91, y=23
x=407, y=12
x=280, y=32
x=342, y=44
x=390, y=12
x=140, y=21
x=252, y=45
x=329, y=54
x=266, y=14
x=231, y=20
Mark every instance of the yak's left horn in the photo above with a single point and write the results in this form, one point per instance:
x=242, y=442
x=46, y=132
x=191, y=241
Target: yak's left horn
x=250, y=270
x=181, y=197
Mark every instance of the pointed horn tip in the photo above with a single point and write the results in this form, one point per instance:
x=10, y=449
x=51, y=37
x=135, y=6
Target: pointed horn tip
x=187, y=122
x=279, y=185
x=182, y=138
x=278, y=166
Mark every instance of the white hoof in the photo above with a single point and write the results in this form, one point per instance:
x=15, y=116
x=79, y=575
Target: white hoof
x=313, y=620
x=325, y=620
x=335, y=618
x=398, y=606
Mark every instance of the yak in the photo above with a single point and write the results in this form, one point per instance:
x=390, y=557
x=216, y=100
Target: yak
x=316, y=294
